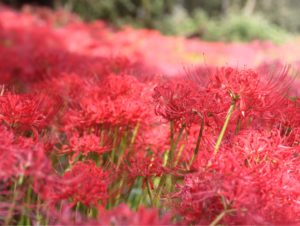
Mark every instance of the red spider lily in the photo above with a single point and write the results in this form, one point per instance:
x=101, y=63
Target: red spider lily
x=70, y=87
x=111, y=104
x=27, y=112
x=116, y=65
x=122, y=215
x=177, y=102
x=287, y=118
x=292, y=138
x=7, y=167
x=240, y=184
x=144, y=166
x=155, y=138
x=120, y=86
x=200, y=74
x=85, y=144
x=209, y=136
x=254, y=93
x=253, y=96
x=85, y=183
x=23, y=160
x=204, y=197
x=239, y=196
x=256, y=146
x=93, y=112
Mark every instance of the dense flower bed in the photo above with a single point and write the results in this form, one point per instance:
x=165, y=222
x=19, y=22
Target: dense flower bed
x=106, y=127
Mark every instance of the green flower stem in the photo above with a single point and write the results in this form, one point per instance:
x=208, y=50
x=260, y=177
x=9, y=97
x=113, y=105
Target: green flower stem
x=179, y=154
x=171, y=151
x=120, y=185
x=170, y=163
x=38, y=216
x=13, y=204
x=24, y=218
x=221, y=135
x=131, y=144
x=115, y=138
x=121, y=149
x=198, y=142
x=159, y=189
x=220, y=217
x=149, y=192
x=174, y=144
x=134, y=134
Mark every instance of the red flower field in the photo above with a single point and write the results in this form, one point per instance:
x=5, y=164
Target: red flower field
x=129, y=127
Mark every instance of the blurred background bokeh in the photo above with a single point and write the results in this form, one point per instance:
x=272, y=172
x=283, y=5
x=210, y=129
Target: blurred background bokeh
x=212, y=20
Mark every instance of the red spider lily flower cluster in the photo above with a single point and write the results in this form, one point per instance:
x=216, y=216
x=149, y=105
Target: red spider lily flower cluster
x=92, y=134
x=27, y=112
x=251, y=167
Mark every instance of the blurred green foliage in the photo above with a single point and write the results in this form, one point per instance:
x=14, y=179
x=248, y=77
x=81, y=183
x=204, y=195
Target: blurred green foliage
x=141, y=13
x=234, y=27
x=239, y=27
x=215, y=20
